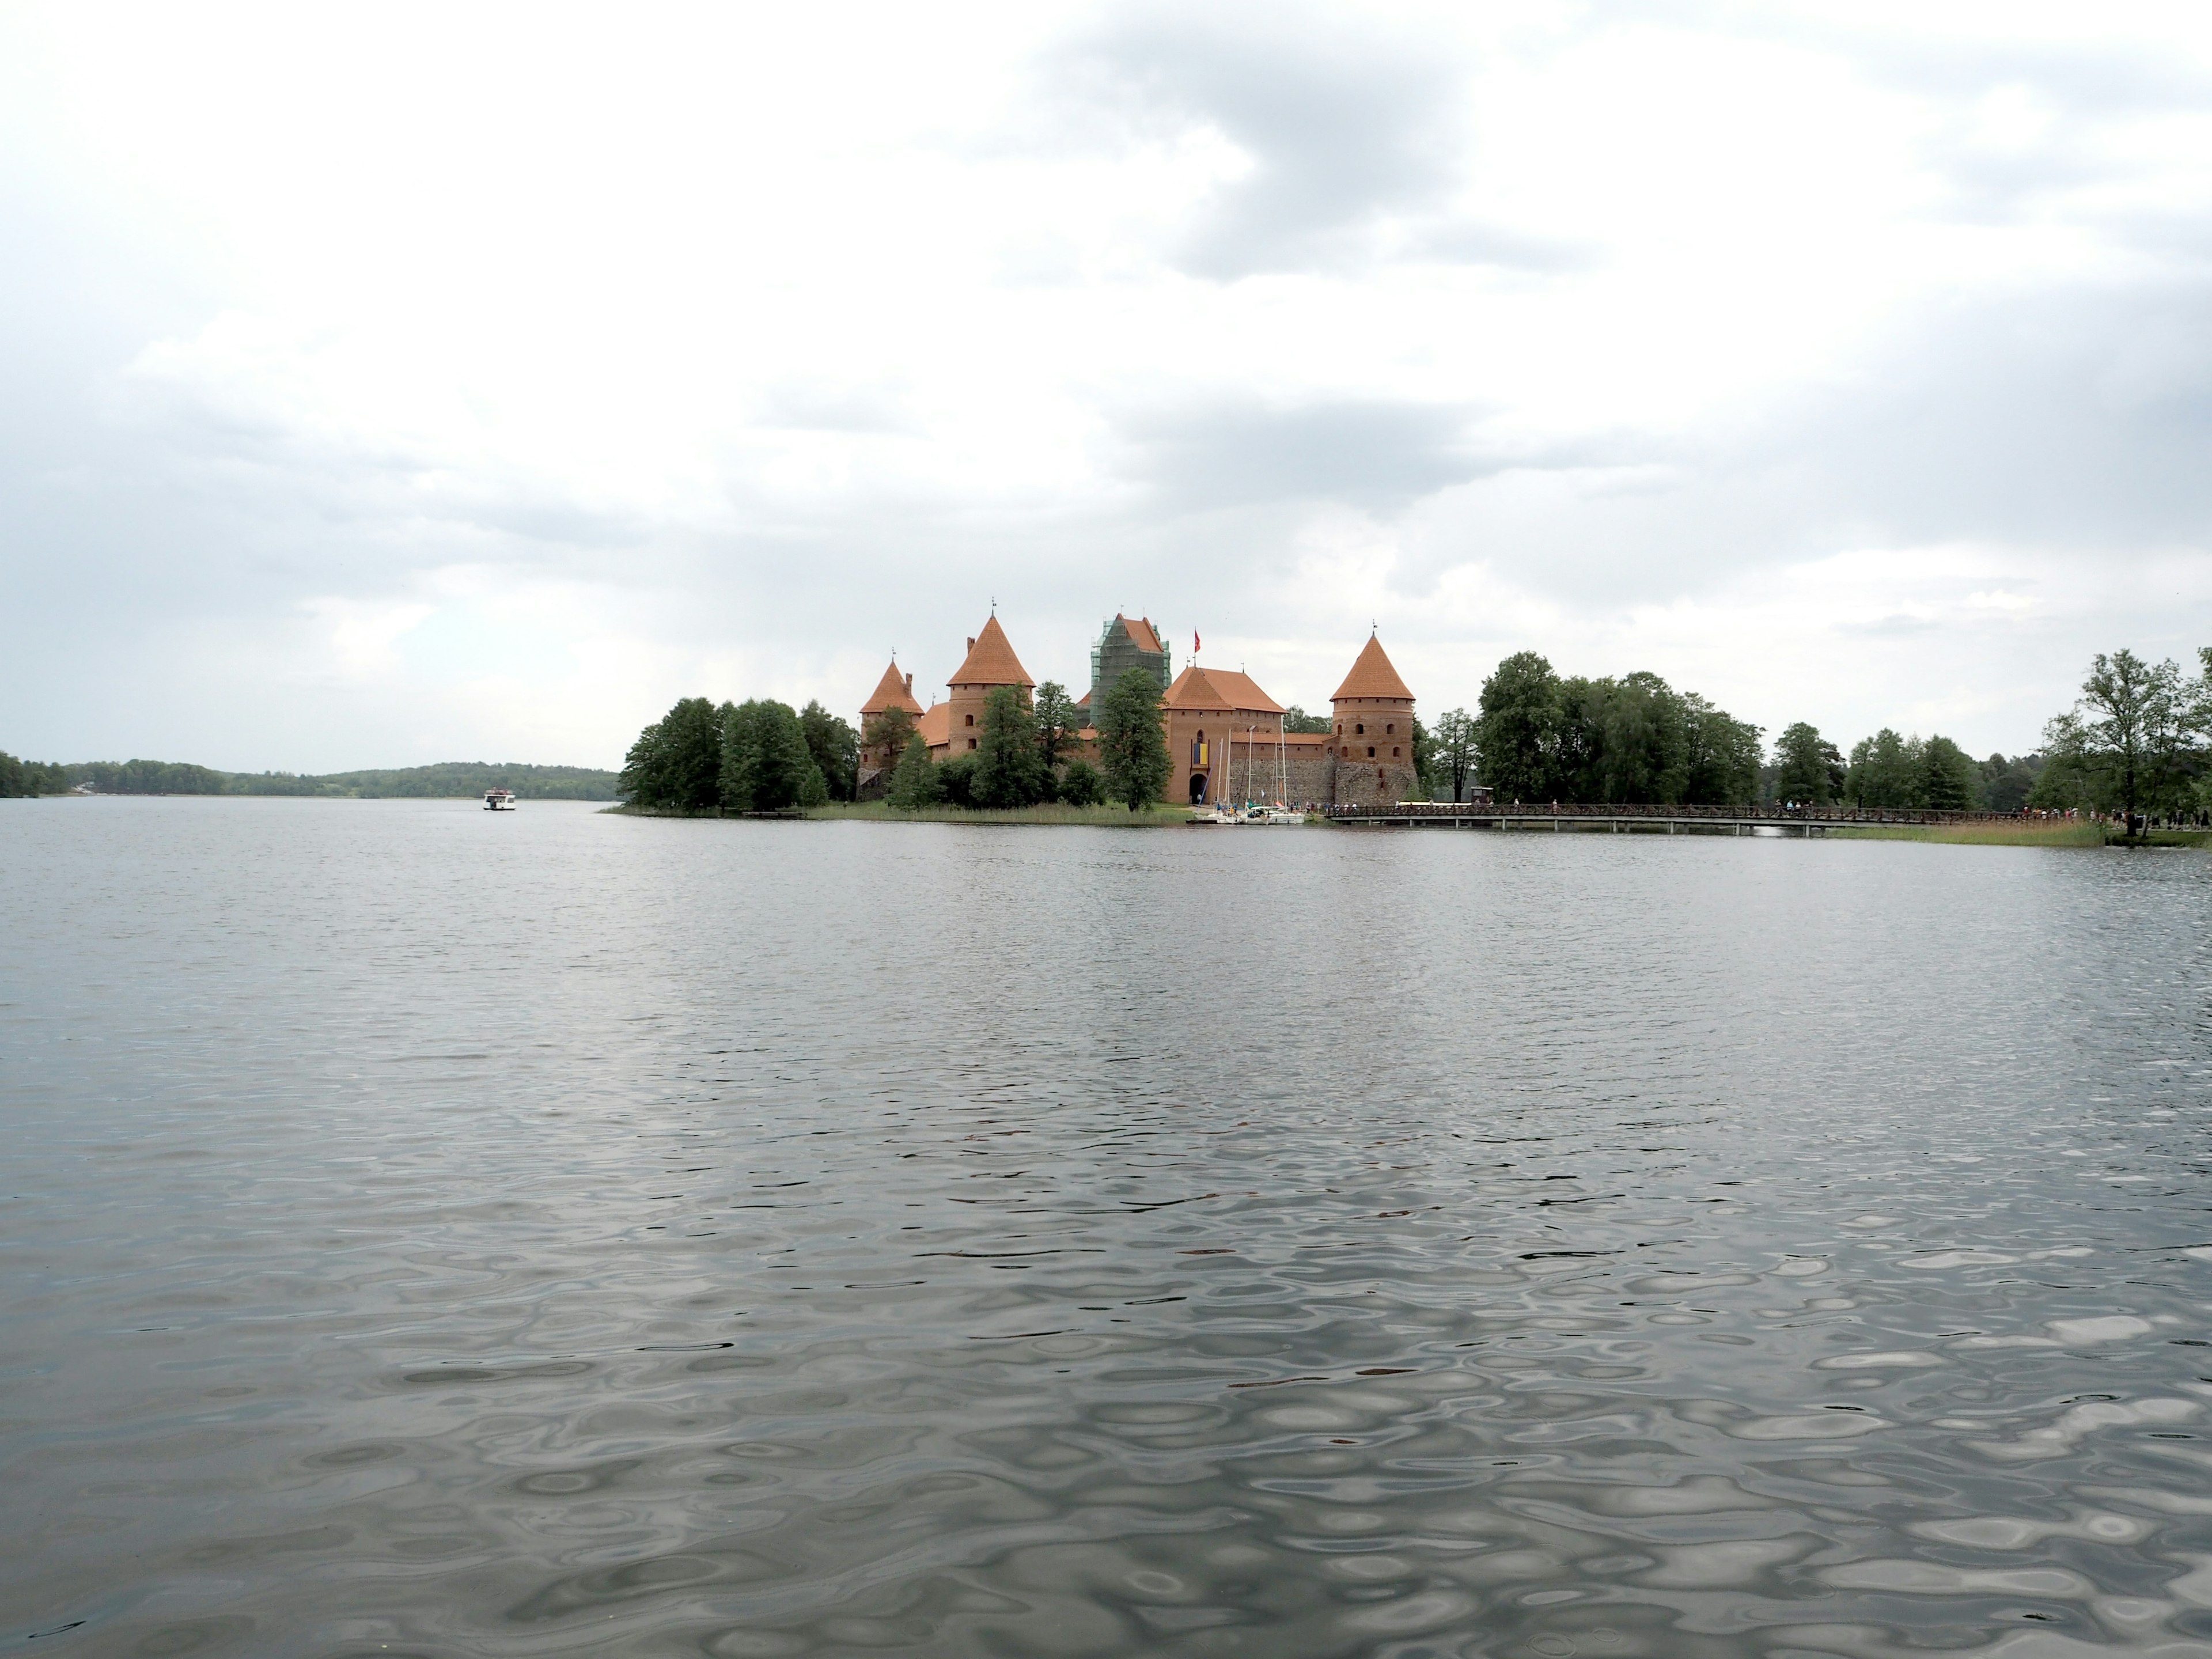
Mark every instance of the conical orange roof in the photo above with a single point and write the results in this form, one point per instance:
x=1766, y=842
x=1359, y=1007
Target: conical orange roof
x=892, y=693
x=1372, y=676
x=991, y=661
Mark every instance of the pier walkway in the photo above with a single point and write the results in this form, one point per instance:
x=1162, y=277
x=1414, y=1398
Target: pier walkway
x=1620, y=820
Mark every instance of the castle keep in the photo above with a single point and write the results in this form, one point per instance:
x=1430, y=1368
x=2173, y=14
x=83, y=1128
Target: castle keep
x=1225, y=735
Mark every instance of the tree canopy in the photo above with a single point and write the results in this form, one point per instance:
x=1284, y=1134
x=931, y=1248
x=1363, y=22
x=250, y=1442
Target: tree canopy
x=1132, y=746
x=1806, y=766
x=22, y=778
x=1011, y=769
x=1455, y=751
x=835, y=748
x=1517, y=730
x=1057, y=723
x=765, y=757
x=2139, y=739
x=914, y=782
x=1635, y=739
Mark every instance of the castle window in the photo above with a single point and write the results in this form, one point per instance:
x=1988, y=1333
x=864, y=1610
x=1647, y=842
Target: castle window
x=1339, y=728
x=970, y=720
x=1390, y=730
x=1359, y=731
x=1393, y=754
x=1370, y=750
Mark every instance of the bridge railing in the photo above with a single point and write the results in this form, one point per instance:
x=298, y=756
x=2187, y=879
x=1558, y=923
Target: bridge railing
x=1587, y=810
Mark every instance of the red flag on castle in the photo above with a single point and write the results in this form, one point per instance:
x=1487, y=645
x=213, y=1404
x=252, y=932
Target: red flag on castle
x=1194, y=646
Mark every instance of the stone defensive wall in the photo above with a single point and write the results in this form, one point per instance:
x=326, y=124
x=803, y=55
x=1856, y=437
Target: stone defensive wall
x=1311, y=773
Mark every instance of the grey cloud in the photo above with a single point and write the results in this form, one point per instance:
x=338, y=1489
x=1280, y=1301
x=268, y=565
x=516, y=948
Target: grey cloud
x=1374, y=455
x=2070, y=419
x=1343, y=125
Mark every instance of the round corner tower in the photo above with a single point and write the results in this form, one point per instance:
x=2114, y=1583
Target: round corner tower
x=1371, y=735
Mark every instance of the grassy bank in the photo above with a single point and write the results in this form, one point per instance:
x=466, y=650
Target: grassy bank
x=2028, y=832
x=1119, y=816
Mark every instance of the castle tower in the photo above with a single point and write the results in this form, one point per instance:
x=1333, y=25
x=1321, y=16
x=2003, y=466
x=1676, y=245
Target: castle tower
x=1122, y=645
x=878, y=757
x=990, y=663
x=1372, y=734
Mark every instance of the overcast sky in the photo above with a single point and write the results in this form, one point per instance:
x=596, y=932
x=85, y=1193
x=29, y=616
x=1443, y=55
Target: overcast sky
x=382, y=384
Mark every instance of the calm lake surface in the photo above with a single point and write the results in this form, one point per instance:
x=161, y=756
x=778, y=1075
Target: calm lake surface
x=440, y=1232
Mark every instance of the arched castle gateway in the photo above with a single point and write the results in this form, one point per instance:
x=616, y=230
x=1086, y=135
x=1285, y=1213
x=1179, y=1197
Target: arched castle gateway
x=1225, y=734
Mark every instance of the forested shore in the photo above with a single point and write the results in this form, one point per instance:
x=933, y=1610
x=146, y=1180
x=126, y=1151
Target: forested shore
x=2137, y=744
x=447, y=779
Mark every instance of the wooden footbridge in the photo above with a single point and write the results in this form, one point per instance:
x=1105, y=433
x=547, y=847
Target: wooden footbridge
x=1649, y=820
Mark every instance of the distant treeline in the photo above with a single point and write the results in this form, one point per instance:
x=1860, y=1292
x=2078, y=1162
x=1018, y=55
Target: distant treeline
x=446, y=780
x=2138, y=741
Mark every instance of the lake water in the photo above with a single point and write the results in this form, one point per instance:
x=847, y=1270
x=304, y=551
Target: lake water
x=430, y=1231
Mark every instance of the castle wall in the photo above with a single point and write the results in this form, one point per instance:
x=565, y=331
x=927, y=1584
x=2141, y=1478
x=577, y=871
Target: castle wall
x=1362, y=783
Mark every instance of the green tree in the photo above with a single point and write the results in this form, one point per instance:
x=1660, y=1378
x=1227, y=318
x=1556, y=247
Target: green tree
x=1295, y=718
x=1423, y=743
x=956, y=780
x=2006, y=784
x=1010, y=763
x=834, y=746
x=814, y=788
x=1720, y=756
x=20, y=779
x=1805, y=765
x=914, y=782
x=1881, y=775
x=676, y=762
x=1945, y=778
x=1577, y=771
x=1455, y=751
x=1081, y=785
x=1518, y=729
x=1131, y=742
x=764, y=757
x=885, y=735
x=1057, y=723
x=2130, y=713
x=1644, y=743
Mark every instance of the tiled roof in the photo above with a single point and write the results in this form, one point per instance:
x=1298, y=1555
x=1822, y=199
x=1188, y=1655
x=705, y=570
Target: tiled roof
x=1372, y=676
x=1193, y=690
x=892, y=693
x=1243, y=692
x=1220, y=687
x=1143, y=633
x=935, y=726
x=991, y=661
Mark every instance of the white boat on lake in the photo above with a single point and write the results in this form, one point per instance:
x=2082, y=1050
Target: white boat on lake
x=498, y=800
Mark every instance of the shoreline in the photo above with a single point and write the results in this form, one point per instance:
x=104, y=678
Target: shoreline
x=874, y=811
x=2051, y=834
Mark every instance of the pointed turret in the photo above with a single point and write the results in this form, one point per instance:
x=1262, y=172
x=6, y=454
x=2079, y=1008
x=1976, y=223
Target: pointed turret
x=1372, y=676
x=1373, y=731
x=990, y=663
x=991, y=660
x=894, y=690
